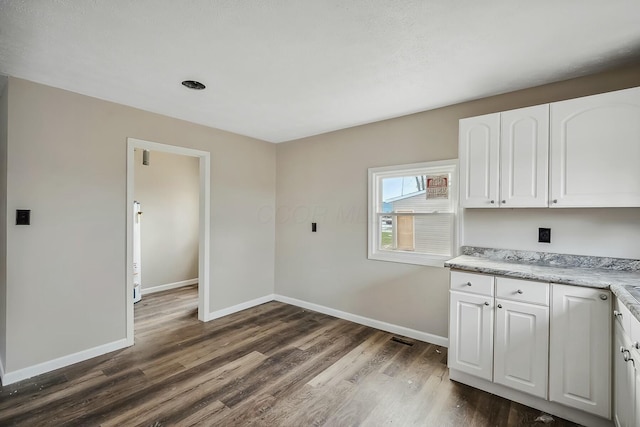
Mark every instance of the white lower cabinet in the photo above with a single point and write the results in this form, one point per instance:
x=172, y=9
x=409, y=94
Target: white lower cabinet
x=522, y=346
x=626, y=371
x=471, y=343
x=580, y=349
x=550, y=341
x=624, y=380
x=503, y=339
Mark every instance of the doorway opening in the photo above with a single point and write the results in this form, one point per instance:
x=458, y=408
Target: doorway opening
x=203, y=224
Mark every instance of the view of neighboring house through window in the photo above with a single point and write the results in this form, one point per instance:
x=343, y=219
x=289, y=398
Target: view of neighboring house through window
x=412, y=212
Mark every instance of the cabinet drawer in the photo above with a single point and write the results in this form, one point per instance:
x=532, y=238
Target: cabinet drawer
x=622, y=315
x=471, y=282
x=522, y=290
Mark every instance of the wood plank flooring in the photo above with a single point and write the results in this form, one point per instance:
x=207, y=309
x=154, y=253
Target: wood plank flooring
x=272, y=365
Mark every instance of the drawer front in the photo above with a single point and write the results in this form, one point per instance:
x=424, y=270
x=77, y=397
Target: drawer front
x=472, y=282
x=522, y=290
x=622, y=315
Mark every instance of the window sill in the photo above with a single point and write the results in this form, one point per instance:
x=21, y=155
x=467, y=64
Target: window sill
x=410, y=258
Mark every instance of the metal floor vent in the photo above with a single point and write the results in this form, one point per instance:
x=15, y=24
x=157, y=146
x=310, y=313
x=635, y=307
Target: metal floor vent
x=402, y=341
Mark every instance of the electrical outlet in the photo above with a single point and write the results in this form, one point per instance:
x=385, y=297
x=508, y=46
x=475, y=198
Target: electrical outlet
x=544, y=235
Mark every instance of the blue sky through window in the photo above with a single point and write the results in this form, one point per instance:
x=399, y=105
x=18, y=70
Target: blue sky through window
x=394, y=187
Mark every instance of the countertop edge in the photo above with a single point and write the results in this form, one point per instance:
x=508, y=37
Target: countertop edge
x=529, y=276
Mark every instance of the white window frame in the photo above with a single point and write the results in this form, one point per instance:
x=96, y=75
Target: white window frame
x=376, y=175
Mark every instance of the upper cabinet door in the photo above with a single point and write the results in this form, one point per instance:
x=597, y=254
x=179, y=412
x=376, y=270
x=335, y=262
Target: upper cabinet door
x=595, y=150
x=524, y=157
x=479, y=161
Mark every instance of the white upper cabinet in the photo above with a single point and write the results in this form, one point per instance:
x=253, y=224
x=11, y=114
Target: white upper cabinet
x=504, y=159
x=524, y=157
x=479, y=161
x=583, y=152
x=595, y=150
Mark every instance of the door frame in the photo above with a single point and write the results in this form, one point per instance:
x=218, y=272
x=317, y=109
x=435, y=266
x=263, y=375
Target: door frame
x=204, y=225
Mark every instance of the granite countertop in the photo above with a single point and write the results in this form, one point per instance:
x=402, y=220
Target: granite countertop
x=621, y=276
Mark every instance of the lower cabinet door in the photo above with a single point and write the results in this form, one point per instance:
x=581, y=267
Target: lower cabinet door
x=521, y=353
x=471, y=334
x=636, y=388
x=580, y=348
x=623, y=380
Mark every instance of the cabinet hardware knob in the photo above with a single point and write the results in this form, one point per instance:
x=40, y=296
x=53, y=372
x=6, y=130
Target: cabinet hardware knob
x=504, y=202
x=499, y=305
x=636, y=345
x=627, y=356
x=603, y=297
x=519, y=291
x=468, y=283
x=486, y=303
x=492, y=202
x=622, y=349
x=617, y=314
x=555, y=200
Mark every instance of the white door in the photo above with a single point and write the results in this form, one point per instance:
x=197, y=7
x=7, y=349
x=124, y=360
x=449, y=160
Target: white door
x=595, y=150
x=479, y=141
x=471, y=334
x=521, y=350
x=580, y=348
x=524, y=157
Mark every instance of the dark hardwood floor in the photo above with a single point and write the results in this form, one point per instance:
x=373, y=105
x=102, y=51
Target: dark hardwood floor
x=272, y=365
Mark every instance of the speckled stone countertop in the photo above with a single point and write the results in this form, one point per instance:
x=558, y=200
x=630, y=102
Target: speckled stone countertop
x=620, y=275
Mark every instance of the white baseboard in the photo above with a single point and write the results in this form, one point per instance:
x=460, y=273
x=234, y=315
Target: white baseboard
x=238, y=307
x=52, y=365
x=384, y=326
x=2, y=371
x=168, y=286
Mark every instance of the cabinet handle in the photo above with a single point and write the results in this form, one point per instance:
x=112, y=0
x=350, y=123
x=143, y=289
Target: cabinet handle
x=468, y=283
x=636, y=345
x=492, y=202
x=504, y=202
x=627, y=356
x=486, y=303
x=555, y=200
x=622, y=349
x=616, y=314
x=519, y=291
x=603, y=297
x=499, y=305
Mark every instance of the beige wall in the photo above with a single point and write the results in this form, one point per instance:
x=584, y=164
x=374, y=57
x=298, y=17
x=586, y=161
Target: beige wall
x=4, y=112
x=168, y=190
x=67, y=162
x=324, y=179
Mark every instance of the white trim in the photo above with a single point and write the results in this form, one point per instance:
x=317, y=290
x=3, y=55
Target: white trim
x=61, y=362
x=384, y=326
x=2, y=372
x=239, y=307
x=566, y=412
x=204, y=246
x=168, y=286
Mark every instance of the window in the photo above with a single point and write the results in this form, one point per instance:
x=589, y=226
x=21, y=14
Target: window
x=412, y=212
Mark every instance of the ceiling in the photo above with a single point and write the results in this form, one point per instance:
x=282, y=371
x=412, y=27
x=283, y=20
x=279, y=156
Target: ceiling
x=279, y=70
